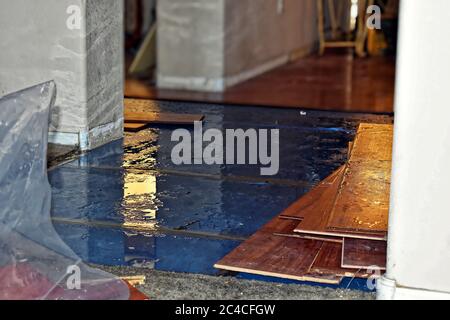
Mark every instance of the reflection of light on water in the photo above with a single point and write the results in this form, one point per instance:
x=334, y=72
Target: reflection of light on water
x=139, y=200
x=141, y=226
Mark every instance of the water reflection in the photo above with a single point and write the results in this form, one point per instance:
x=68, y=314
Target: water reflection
x=139, y=188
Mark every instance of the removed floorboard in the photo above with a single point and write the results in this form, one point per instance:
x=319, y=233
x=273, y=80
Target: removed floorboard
x=321, y=201
x=144, y=112
x=162, y=118
x=316, y=252
x=269, y=255
x=315, y=213
x=363, y=254
x=135, y=127
x=362, y=203
x=373, y=142
x=328, y=261
x=303, y=207
x=312, y=213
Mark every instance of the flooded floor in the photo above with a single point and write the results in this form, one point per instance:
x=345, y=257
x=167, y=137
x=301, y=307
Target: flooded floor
x=128, y=204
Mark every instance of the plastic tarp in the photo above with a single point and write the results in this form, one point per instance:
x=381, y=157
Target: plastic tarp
x=34, y=262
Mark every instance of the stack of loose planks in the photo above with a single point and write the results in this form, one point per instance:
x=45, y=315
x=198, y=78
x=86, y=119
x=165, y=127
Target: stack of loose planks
x=337, y=230
x=138, y=117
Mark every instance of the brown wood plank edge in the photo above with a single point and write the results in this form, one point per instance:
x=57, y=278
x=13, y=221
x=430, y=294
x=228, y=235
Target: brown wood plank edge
x=313, y=209
x=363, y=254
x=299, y=209
x=315, y=218
x=140, y=113
x=162, y=118
x=362, y=202
x=134, y=127
x=267, y=254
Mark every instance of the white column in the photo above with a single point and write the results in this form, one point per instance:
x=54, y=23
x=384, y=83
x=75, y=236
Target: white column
x=191, y=44
x=79, y=45
x=419, y=226
x=210, y=45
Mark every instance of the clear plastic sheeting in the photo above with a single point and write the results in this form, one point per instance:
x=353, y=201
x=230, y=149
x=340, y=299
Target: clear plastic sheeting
x=34, y=262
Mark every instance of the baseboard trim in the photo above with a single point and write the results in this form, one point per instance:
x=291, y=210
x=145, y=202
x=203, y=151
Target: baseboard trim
x=218, y=84
x=64, y=138
x=388, y=289
x=301, y=52
x=88, y=140
x=191, y=83
x=263, y=68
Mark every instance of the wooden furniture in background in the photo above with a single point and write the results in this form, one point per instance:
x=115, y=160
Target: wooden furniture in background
x=145, y=58
x=361, y=30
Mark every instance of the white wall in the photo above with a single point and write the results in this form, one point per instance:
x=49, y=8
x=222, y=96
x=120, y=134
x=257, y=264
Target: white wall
x=258, y=32
x=419, y=230
x=87, y=63
x=190, y=44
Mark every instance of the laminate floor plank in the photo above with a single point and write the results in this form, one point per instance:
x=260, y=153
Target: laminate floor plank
x=134, y=127
x=362, y=203
x=373, y=142
x=324, y=238
x=328, y=261
x=312, y=212
x=144, y=111
x=307, y=205
x=351, y=203
x=269, y=255
x=316, y=215
x=162, y=118
x=363, y=254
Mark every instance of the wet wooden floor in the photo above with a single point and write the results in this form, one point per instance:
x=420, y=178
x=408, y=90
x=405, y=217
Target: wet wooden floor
x=336, y=82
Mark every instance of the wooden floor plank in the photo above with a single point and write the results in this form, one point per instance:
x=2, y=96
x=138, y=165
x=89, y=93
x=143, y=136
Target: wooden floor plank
x=269, y=255
x=373, y=142
x=134, y=127
x=303, y=207
x=363, y=254
x=312, y=212
x=316, y=220
x=342, y=234
x=328, y=261
x=145, y=111
x=362, y=203
x=330, y=257
x=324, y=238
x=162, y=118
x=316, y=215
